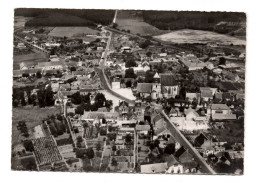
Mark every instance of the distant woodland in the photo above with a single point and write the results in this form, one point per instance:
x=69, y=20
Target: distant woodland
x=65, y=17
x=174, y=20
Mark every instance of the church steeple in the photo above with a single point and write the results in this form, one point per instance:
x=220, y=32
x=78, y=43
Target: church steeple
x=156, y=78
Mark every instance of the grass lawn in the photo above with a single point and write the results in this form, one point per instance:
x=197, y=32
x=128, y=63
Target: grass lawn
x=33, y=117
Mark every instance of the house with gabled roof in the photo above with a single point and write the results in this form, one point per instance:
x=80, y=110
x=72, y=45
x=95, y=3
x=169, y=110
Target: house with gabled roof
x=186, y=159
x=144, y=89
x=206, y=93
x=57, y=65
x=27, y=65
x=154, y=168
x=174, y=166
x=190, y=114
x=219, y=108
x=123, y=108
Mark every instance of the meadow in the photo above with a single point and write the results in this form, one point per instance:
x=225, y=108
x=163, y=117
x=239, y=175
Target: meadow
x=128, y=20
x=33, y=117
x=71, y=31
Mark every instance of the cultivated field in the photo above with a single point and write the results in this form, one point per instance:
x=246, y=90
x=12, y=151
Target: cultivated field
x=19, y=21
x=199, y=36
x=33, y=117
x=71, y=31
x=133, y=21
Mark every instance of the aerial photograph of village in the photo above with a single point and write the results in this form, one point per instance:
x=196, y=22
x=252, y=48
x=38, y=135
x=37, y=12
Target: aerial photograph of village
x=128, y=91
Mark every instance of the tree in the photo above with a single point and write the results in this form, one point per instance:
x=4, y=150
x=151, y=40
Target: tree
x=152, y=146
x=129, y=73
x=73, y=68
x=59, y=117
x=110, y=128
x=28, y=145
x=149, y=54
x=79, y=139
x=156, y=143
x=114, y=148
x=103, y=132
x=128, y=138
x=114, y=25
x=113, y=162
x=80, y=109
x=32, y=99
x=222, y=61
x=145, y=44
x=170, y=148
x=76, y=98
x=53, y=51
x=45, y=97
x=108, y=103
x=49, y=95
x=128, y=84
x=130, y=63
x=163, y=50
x=194, y=103
x=15, y=103
x=182, y=93
x=23, y=103
x=149, y=76
x=90, y=153
x=85, y=125
x=98, y=146
x=38, y=74
x=80, y=153
x=25, y=75
x=59, y=74
x=30, y=165
x=111, y=136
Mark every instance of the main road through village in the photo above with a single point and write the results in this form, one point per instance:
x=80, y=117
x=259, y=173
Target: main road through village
x=205, y=168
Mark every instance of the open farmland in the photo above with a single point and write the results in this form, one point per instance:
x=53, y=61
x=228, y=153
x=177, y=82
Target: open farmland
x=71, y=31
x=28, y=58
x=19, y=22
x=199, y=36
x=133, y=21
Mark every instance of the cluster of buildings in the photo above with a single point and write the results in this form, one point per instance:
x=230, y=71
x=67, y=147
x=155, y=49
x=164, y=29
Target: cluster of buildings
x=136, y=136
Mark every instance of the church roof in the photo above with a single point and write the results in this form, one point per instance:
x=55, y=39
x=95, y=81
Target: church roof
x=156, y=75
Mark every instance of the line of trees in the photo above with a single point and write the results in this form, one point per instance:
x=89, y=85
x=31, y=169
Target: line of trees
x=45, y=97
x=23, y=96
x=85, y=103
